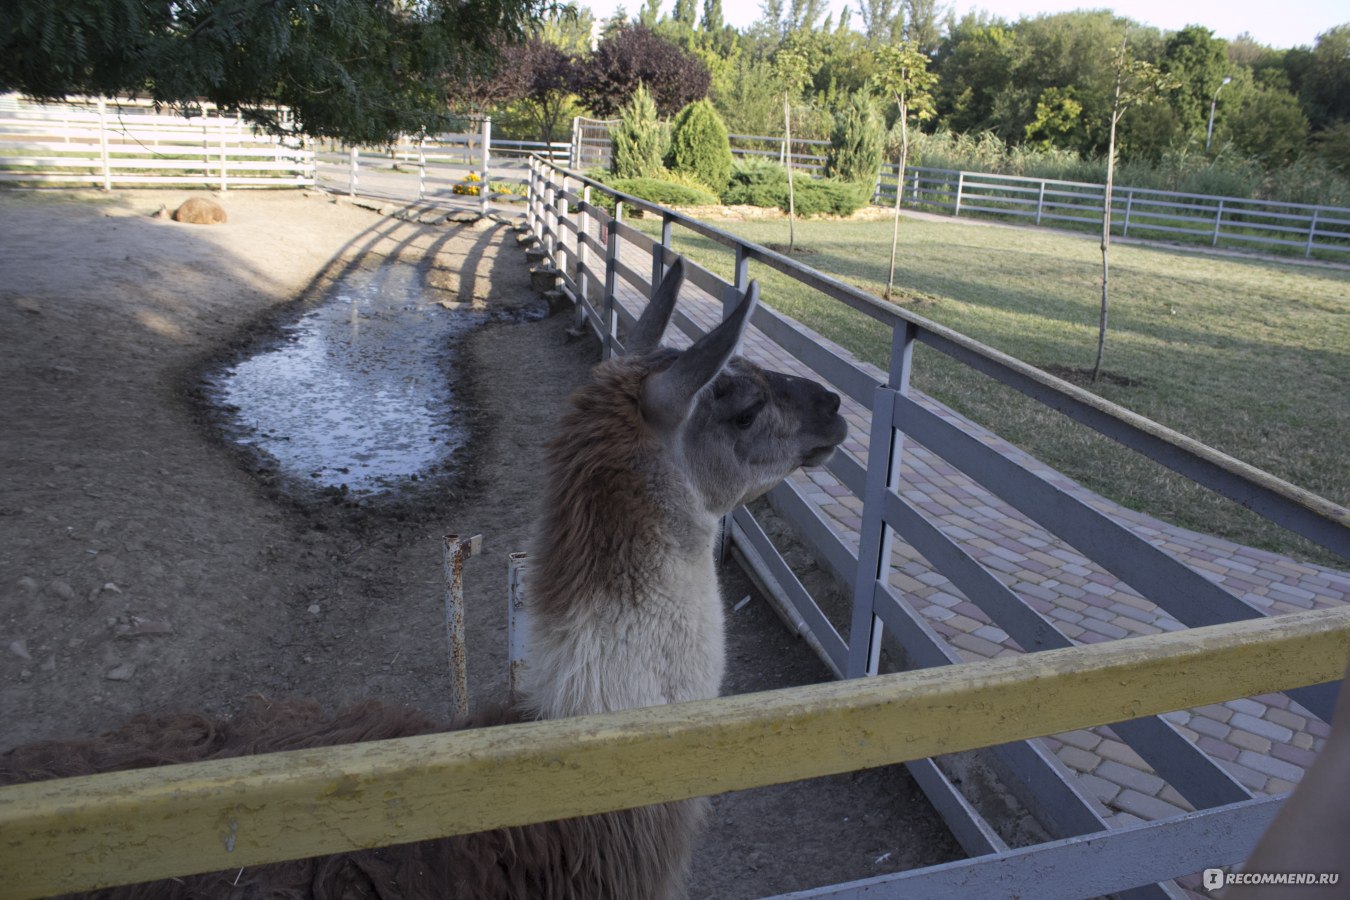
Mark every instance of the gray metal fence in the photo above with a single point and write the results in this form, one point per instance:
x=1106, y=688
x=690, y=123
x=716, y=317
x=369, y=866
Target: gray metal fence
x=1231, y=222
x=609, y=268
x=1135, y=212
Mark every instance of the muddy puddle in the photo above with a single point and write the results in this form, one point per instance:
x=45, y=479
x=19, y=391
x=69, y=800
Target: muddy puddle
x=357, y=393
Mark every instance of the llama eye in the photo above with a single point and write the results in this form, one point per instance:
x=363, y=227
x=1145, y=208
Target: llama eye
x=747, y=418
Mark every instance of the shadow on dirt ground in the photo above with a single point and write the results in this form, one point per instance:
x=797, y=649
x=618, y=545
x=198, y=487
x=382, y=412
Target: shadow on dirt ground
x=148, y=564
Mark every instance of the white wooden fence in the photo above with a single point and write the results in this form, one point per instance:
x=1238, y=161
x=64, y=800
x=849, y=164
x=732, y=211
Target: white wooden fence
x=126, y=144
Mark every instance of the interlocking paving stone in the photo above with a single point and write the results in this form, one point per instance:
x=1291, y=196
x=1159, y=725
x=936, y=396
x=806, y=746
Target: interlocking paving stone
x=1144, y=806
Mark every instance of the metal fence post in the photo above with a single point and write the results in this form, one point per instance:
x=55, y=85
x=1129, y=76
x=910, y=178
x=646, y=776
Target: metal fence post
x=1129, y=205
x=224, y=178
x=886, y=449
x=611, y=283
x=351, y=184
x=564, y=209
x=574, y=154
x=421, y=167
x=659, y=252
x=960, y=188
x=584, y=218
x=103, y=143
x=487, y=152
x=1218, y=223
x=550, y=215
x=1312, y=234
x=517, y=625
x=1040, y=203
x=532, y=197
x=740, y=282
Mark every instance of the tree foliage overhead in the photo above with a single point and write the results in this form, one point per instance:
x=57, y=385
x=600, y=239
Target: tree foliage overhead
x=360, y=70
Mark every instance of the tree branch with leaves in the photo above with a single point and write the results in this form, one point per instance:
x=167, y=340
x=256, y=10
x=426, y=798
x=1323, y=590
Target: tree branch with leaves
x=903, y=75
x=1136, y=81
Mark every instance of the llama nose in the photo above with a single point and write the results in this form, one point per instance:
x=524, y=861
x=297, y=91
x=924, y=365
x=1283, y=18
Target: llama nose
x=829, y=402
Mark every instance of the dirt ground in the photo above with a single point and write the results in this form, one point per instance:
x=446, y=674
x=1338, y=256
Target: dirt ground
x=145, y=565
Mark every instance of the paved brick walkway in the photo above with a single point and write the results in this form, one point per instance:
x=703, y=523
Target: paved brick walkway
x=1265, y=742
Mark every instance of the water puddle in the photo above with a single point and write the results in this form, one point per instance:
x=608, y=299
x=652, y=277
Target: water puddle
x=356, y=395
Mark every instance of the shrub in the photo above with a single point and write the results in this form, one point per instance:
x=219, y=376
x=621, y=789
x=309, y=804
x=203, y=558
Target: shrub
x=639, y=140
x=857, y=142
x=757, y=170
x=699, y=145
x=666, y=193
x=761, y=183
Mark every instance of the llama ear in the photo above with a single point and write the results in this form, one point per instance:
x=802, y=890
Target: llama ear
x=646, y=334
x=668, y=395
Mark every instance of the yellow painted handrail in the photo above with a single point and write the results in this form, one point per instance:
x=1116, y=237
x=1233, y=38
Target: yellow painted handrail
x=82, y=833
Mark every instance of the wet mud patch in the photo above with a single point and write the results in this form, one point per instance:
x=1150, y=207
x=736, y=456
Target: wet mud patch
x=359, y=393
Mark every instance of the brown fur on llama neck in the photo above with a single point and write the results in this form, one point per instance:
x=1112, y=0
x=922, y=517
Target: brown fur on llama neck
x=601, y=524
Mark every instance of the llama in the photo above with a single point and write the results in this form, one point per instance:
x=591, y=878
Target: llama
x=625, y=612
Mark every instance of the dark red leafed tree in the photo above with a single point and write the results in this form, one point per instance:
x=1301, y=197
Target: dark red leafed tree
x=632, y=54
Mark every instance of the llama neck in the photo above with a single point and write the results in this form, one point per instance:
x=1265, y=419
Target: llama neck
x=625, y=644
x=624, y=605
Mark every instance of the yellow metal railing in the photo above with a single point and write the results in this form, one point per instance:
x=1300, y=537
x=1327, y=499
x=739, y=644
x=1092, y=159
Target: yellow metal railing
x=125, y=827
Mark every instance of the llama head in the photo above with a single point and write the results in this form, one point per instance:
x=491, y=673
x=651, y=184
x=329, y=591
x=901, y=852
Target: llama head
x=732, y=428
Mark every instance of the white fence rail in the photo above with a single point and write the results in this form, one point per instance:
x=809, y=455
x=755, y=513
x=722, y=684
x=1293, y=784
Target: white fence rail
x=107, y=146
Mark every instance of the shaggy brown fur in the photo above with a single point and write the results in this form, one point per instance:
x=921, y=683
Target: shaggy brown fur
x=618, y=855
x=600, y=441
x=200, y=211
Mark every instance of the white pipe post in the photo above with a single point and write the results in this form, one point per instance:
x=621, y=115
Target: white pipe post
x=457, y=551
x=224, y=183
x=351, y=183
x=517, y=624
x=487, y=152
x=103, y=143
x=421, y=168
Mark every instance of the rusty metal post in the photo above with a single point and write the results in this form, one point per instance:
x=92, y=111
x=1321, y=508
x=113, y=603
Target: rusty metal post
x=457, y=551
x=517, y=623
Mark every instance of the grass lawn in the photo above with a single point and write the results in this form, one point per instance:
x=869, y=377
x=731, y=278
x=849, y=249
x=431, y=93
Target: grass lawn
x=1247, y=355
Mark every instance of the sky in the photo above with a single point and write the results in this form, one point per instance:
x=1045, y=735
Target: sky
x=1287, y=23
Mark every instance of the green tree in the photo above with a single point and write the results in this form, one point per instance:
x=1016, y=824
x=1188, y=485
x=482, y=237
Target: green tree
x=1265, y=123
x=925, y=21
x=685, y=13
x=699, y=145
x=1136, y=81
x=1325, y=88
x=712, y=21
x=977, y=62
x=857, y=143
x=905, y=78
x=362, y=71
x=1058, y=122
x=638, y=141
x=791, y=73
x=883, y=20
x=1197, y=63
x=1065, y=51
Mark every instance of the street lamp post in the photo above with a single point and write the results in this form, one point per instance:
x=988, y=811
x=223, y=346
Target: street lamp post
x=1209, y=132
